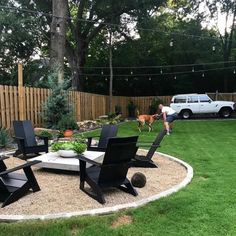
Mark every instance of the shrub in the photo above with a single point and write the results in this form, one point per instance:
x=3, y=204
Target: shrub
x=118, y=110
x=67, y=122
x=45, y=133
x=4, y=137
x=56, y=106
x=131, y=108
x=154, y=106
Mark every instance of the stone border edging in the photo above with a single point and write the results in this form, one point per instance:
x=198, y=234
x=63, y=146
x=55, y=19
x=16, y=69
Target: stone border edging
x=108, y=210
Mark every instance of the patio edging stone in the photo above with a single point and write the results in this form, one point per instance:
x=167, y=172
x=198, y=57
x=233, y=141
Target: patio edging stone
x=109, y=210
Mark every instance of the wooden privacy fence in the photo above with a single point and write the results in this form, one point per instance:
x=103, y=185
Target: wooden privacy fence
x=18, y=103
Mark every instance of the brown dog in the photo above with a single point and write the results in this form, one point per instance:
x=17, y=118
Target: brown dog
x=146, y=119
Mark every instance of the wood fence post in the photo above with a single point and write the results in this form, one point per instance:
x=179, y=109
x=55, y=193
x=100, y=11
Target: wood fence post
x=21, y=92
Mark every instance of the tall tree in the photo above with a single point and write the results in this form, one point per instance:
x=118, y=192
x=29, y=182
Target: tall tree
x=58, y=36
x=86, y=20
x=223, y=11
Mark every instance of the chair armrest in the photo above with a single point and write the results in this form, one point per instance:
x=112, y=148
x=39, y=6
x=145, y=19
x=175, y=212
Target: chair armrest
x=20, y=138
x=83, y=158
x=3, y=158
x=20, y=167
x=152, y=145
x=96, y=136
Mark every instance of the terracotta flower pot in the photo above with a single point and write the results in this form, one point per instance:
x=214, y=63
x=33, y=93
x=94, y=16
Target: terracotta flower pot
x=68, y=133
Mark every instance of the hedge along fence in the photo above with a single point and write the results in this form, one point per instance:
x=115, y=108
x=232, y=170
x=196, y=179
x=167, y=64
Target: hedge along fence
x=20, y=103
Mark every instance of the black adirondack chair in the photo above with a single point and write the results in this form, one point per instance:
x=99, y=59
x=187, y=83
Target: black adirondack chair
x=112, y=172
x=146, y=161
x=25, y=138
x=108, y=131
x=15, y=185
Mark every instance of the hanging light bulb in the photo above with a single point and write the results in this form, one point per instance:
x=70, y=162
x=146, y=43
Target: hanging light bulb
x=171, y=43
x=175, y=77
x=203, y=75
x=105, y=79
x=234, y=71
x=193, y=69
x=131, y=72
x=161, y=71
x=127, y=79
x=102, y=72
x=58, y=29
x=149, y=78
x=214, y=48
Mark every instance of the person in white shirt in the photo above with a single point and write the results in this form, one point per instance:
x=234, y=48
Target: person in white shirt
x=169, y=115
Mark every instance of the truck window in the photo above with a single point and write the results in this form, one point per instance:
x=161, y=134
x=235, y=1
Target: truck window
x=180, y=100
x=204, y=98
x=193, y=99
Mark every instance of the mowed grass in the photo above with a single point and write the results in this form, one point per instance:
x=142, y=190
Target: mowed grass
x=207, y=206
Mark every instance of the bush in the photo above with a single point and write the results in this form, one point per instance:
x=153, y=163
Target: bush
x=45, y=133
x=57, y=104
x=118, y=110
x=131, y=109
x=67, y=122
x=154, y=106
x=4, y=137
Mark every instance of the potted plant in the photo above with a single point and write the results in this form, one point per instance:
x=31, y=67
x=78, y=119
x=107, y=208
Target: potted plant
x=68, y=149
x=66, y=125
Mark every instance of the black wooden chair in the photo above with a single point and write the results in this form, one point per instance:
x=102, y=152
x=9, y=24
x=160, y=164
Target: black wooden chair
x=26, y=139
x=146, y=161
x=112, y=172
x=14, y=185
x=108, y=131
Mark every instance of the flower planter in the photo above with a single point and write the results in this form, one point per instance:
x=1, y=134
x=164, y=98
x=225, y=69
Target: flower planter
x=68, y=133
x=67, y=153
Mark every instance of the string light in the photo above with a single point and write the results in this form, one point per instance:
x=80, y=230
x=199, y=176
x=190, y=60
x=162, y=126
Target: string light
x=131, y=72
x=149, y=78
x=161, y=71
x=171, y=43
x=17, y=9
x=102, y=72
x=203, y=75
x=214, y=48
x=193, y=69
x=175, y=77
x=58, y=29
x=234, y=71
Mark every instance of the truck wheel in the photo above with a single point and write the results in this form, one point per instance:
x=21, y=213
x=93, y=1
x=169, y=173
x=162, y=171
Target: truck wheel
x=186, y=114
x=225, y=112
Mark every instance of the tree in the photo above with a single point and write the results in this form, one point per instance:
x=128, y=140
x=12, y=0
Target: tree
x=86, y=20
x=213, y=10
x=58, y=36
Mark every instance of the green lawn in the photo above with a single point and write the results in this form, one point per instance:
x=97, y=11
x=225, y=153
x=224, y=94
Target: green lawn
x=207, y=206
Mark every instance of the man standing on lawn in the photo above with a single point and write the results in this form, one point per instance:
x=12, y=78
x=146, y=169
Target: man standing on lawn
x=169, y=115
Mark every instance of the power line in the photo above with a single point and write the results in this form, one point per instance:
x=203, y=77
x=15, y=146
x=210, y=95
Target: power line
x=40, y=13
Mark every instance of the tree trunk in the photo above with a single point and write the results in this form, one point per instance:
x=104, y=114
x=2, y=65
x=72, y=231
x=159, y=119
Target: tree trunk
x=111, y=72
x=58, y=37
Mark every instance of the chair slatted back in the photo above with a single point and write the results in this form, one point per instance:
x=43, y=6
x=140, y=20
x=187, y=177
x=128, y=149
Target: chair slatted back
x=117, y=158
x=108, y=131
x=156, y=143
x=24, y=129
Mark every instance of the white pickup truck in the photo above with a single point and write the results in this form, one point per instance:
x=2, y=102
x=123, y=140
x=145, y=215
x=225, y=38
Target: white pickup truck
x=188, y=104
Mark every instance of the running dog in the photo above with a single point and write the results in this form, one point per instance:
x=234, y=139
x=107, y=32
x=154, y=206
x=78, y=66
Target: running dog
x=146, y=119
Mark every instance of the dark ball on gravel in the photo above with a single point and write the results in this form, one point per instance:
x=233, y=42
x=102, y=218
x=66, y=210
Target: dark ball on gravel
x=138, y=180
